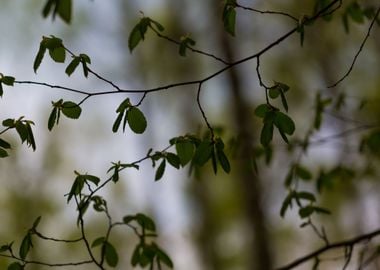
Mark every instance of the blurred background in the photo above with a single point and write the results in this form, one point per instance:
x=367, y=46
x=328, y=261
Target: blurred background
x=203, y=220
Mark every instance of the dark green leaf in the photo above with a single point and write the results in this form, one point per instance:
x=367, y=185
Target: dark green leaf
x=229, y=19
x=160, y=171
x=203, y=153
x=3, y=153
x=4, y=248
x=274, y=92
x=64, y=10
x=284, y=123
x=283, y=101
x=223, y=160
x=158, y=25
x=22, y=131
x=306, y=211
x=321, y=210
x=36, y=222
x=85, y=68
x=73, y=65
x=266, y=134
x=136, y=120
x=262, y=110
x=287, y=202
x=47, y=8
x=173, y=160
x=39, y=56
x=304, y=195
x=214, y=161
x=71, y=110
x=9, y=123
x=52, y=118
x=4, y=144
x=26, y=244
x=117, y=122
x=134, y=37
x=31, y=142
x=8, y=80
x=1, y=89
x=15, y=266
x=185, y=151
x=110, y=254
x=145, y=222
x=136, y=256
x=98, y=241
x=355, y=12
x=58, y=54
x=163, y=257
x=85, y=58
x=92, y=178
x=77, y=187
x=303, y=173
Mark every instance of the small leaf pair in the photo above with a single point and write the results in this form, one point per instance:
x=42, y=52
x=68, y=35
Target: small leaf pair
x=79, y=182
x=272, y=117
x=7, y=80
x=24, y=130
x=185, y=43
x=132, y=115
x=68, y=108
x=108, y=251
x=138, y=32
x=56, y=50
x=82, y=58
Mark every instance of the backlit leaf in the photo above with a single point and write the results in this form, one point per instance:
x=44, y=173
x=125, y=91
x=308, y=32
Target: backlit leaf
x=71, y=109
x=185, y=151
x=136, y=120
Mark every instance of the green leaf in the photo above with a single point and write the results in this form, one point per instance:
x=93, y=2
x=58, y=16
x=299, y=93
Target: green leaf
x=15, y=266
x=36, y=222
x=173, y=160
x=163, y=257
x=39, y=56
x=274, y=92
x=64, y=10
x=71, y=110
x=110, y=254
x=22, y=131
x=284, y=123
x=92, y=178
x=262, y=110
x=158, y=25
x=77, y=187
x=229, y=19
x=31, y=142
x=85, y=58
x=266, y=134
x=98, y=241
x=4, y=144
x=135, y=37
x=355, y=12
x=3, y=153
x=8, y=80
x=306, y=211
x=223, y=160
x=1, y=89
x=145, y=222
x=58, y=54
x=73, y=65
x=203, y=153
x=116, y=124
x=52, y=118
x=303, y=173
x=4, y=248
x=283, y=101
x=185, y=151
x=160, y=170
x=26, y=244
x=9, y=123
x=286, y=203
x=136, y=256
x=304, y=195
x=136, y=120
x=321, y=210
x=48, y=6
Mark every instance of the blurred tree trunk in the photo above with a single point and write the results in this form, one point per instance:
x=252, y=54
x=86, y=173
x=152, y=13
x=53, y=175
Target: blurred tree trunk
x=247, y=177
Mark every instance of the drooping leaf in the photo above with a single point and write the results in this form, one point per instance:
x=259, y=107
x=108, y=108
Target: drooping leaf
x=26, y=244
x=72, y=66
x=64, y=10
x=163, y=257
x=39, y=56
x=262, y=110
x=36, y=222
x=266, y=134
x=304, y=195
x=306, y=211
x=22, y=131
x=8, y=80
x=52, y=118
x=173, y=160
x=286, y=203
x=203, y=153
x=71, y=109
x=15, y=266
x=303, y=173
x=116, y=124
x=3, y=153
x=284, y=123
x=58, y=54
x=160, y=170
x=229, y=19
x=110, y=254
x=4, y=144
x=92, y=178
x=98, y=241
x=136, y=120
x=145, y=222
x=185, y=151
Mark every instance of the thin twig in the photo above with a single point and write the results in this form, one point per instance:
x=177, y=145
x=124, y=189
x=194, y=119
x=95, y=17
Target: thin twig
x=267, y=12
x=358, y=52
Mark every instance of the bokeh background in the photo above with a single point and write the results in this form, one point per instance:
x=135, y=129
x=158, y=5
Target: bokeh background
x=201, y=220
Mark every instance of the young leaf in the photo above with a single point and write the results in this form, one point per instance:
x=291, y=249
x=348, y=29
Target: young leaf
x=52, y=118
x=92, y=178
x=3, y=153
x=8, y=80
x=203, y=153
x=98, y=241
x=262, y=110
x=145, y=222
x=185, y=151
x=110, y=254
x=306, y=196
x=229, y=19
x=306, y=211
x=136, y=120
x=71, y=110
x=39, y=56
x=30, y=139
x=1, y=89
x=274, y=92
x=135, y=37
x=15, y=266
x=284, y=123
x=116, y=124
x=223, y=160
x=36, y=222
x=22, y=131
x=64, y=10
x=58, y=54
x=26, y=244
x=160, y=170
x=163, y=257
x=266, y=134
x=173, y=160
x=287, y=202
x=73, y=65
x=4, y=144
x=303, y=173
